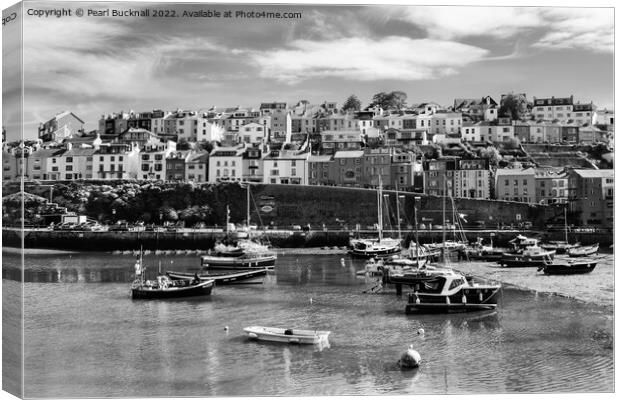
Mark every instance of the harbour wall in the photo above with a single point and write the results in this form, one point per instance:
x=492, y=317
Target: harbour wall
x=199, y=240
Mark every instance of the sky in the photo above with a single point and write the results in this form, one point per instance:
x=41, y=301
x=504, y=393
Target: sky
x=100, y=65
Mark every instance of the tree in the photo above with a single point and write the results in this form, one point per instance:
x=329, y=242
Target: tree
x=513, y=107
x=393, y=100
x=352, y=103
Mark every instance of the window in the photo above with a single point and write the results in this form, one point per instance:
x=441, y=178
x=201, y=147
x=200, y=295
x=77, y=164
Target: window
x=293, y=171
x=158, y=167
x=69, y=168
x=275, y=172
x=145, y=157
x=68, y=176
x=69, y=159
x=112, y=158
x=158, y=157
x=53, y=161
x=54, y=169
x=89, y=159
x=217, y=172
x=525, y=182
x=145, y=167
x=516, y=182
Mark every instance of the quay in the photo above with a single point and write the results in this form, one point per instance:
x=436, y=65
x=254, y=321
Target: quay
x=204, y=239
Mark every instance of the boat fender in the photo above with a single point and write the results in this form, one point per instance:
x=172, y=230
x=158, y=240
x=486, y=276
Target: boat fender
x=421, y=332
x=480, y=296
x=253, y=335
x=410, y=359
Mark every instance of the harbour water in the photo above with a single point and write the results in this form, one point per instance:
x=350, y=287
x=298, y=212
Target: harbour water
x=85, y=337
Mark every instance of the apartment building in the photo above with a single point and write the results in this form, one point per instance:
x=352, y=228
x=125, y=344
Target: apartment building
x=515, y=185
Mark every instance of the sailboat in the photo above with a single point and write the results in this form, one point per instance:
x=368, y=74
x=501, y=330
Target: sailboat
x=375, y=248
x=246, y=253
x=561, y=246
x=448, y=246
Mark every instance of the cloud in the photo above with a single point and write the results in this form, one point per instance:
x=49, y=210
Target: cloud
x=366, y=59
x=570, y=28
x=450, y=22
x=555, y=28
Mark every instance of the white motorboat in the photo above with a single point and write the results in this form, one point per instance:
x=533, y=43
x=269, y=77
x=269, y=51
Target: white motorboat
x=287, y=335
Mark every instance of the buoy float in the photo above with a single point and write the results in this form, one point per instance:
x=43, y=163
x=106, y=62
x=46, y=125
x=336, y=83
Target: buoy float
x=310, y=300
x=410, y=358
x=226, y=328
x=421, y=332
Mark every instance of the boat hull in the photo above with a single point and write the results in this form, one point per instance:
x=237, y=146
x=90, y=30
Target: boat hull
x=569, y=269
x=372, y=253
x=251, y=276
x=147, y=292
x=583, y=252
x=238, y=262
x=519, y=260
x=465, y=300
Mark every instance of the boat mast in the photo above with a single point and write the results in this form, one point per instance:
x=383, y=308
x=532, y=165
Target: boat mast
x=227, y=220
x=417, y=239
x=380, y=209
x=443, y=222
x=248, y=209
x=565, y=227
x=398, y=214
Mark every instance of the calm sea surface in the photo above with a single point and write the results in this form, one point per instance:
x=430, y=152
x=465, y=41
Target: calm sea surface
x=85, y=337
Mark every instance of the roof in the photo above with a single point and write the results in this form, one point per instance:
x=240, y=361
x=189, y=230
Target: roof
x=44, y=153
x=515, y=171
x=225, y=151
x=316, y=158
x=349, y=154
x=79, y=152
x=595, y=173
x=64, y=114
x=198, y=157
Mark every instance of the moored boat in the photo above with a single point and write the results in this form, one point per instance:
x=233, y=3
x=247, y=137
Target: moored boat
x=165, y=288
x=450, y=292
x=568, y=267
x=560, y=246
x=526, y=253
x=583, y=251
x=367, y=248
x=224, y=278
x=283, y=335
x=246, y=261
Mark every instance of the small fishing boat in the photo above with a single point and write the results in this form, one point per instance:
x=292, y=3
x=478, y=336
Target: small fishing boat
x=527, y=253
x=560, y=246
x=449, y=292
x=583, y=251
x=250, y=276
x=282, y=335
x=163, y=288
x=366, y=248
x=568, y=267
x=478, y=251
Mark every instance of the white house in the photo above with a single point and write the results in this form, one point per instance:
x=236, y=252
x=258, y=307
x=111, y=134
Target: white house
x=226, y=164
x=286, y=167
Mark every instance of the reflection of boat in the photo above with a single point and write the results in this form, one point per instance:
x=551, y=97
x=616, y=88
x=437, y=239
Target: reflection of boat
x=224, y=278
x=583, y=251
x=380, y=248
x=452, y=292
x=297, y=336
x=568, y=267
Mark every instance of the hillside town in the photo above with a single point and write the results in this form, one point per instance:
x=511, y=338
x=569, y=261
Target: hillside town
x=541, y=151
